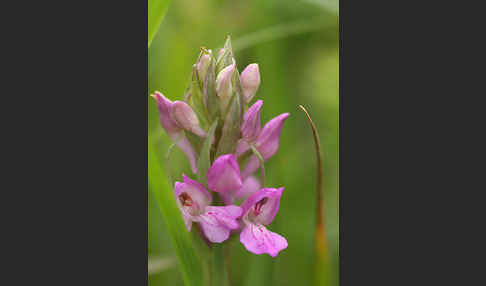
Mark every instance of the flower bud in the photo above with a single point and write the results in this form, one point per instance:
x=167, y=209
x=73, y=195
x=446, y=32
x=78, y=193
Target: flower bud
x=186, y=118
x=165, y=109
x=269, y=139
x=250, y=81
x=250, y=128
x=220, y=53
x=173, y=128
x=203, y=66
x=224, y=88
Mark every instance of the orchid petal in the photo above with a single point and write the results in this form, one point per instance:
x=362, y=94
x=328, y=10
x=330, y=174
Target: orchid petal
x=269, y=139
x=250, y=167
x=266, y=211
x=250, y=128
x=258, y=239
x=165, y=110
x=183, y=114
x=250, y=186
x=224, y=174
x=241, y=147
x=195, y=190
x=173, y=129
x=217, y=222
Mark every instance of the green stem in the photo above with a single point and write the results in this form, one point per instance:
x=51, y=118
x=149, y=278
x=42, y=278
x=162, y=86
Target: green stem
x=219, y=273
x=262, y=163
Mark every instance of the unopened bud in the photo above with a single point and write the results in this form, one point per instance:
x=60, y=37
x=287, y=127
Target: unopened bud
x=250, y=81
x=250, y=128
x=203, y=66
x=224, y=87
x=186, y=118
x=220, y=53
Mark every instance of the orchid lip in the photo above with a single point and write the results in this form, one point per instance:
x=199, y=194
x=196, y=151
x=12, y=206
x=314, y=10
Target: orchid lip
x=257, y=209
x=185, y=199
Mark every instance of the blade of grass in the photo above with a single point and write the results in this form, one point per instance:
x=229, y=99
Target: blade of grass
x=278, y=32
x=190, y=261
x=156, y=12
x=322, y=266
x=159, y=264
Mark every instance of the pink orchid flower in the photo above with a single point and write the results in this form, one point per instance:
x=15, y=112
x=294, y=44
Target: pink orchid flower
x=260, y=210
x=194, y=202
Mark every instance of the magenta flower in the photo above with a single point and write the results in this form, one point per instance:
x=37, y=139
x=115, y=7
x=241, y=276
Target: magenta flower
x=224, y=174
x=260, y=210
x=194, y=202
x=266, y=141
x=174, y=128
x=250, y=186
x=251, y=126
x=224, y=178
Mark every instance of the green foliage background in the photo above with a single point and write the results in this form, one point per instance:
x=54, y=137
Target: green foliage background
x=296, y=45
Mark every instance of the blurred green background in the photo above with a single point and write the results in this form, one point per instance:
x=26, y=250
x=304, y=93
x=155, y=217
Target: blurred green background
x=296, y=45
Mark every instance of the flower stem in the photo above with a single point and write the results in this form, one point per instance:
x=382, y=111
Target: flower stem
x=262, y=163
x=219, y=274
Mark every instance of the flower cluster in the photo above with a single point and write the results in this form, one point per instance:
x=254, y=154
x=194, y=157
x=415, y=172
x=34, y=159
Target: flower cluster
x=218, y=134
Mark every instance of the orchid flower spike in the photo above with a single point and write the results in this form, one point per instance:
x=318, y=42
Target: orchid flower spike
x=250, y=81
x=194, y=202
x=216, y=127
x=173, y=128
x=260, y=210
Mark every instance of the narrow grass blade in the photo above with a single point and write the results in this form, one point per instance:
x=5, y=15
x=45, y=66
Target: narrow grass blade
x=322, y=269
x=159, y=264
x=156, y=12
x=190, y=262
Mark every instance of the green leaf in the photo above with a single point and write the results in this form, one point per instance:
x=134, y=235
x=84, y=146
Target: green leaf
x=204, y=161
x=227, y=57
x=231, y=128
x=212, y=100
x=156, y=12
x=195, y=99
x=190, y=261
